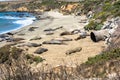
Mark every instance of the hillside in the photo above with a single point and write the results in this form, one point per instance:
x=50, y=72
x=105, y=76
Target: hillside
x=104, y=66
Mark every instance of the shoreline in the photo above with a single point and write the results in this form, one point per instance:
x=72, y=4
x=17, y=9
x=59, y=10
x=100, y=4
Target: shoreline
x=17, y=20
x=56, y=53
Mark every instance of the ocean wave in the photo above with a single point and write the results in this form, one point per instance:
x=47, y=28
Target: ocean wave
x=14, y=22
x=9, y=17
x=24, y=22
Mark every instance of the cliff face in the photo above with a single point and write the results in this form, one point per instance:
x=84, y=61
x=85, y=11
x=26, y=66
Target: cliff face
x=115, y=43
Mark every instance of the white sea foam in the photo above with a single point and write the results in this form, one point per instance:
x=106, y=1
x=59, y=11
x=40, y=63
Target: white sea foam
x=9, y=17
x=23, y=22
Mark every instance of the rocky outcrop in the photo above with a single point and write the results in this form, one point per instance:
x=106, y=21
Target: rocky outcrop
x=68, y=8
x=22, y=9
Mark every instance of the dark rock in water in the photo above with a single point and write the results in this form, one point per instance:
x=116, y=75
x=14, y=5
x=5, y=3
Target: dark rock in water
x=78, y=49
x=32, y=28
x=65, y=33
x=36, y=38
x=40, y=50
x=53, y=42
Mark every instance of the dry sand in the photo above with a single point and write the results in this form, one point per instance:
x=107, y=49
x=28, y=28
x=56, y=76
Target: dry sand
x=56, y=53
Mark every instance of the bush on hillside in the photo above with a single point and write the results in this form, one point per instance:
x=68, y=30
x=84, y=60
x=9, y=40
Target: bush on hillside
x=93, y=25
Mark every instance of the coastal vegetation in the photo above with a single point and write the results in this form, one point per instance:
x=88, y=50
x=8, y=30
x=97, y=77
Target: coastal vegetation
x=16, y=63
x=102, y=10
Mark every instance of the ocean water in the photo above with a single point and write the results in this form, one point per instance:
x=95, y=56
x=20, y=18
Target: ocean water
x=10, y=21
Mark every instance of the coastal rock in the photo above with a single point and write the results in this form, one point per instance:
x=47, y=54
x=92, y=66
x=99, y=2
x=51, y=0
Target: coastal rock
x=40, y=50
x=53, y=42
x=78, y=49
x=21, y=9
x=69, y=7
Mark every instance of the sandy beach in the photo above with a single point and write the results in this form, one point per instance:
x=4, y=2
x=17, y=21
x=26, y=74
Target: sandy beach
x=56, y=53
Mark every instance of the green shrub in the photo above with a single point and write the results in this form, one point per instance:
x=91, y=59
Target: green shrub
x=113, y=54
x=38, y=59
x=33, y=58
x=4, y=53
x=15, y=52
x=93, y=25
x=7, y=53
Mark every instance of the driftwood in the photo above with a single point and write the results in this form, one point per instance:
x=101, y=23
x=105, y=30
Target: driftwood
x=99, y=35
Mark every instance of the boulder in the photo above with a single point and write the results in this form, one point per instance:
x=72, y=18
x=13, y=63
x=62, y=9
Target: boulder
x=40, y=50
x=78, y=49
x=49, y=33
x=22, y=9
